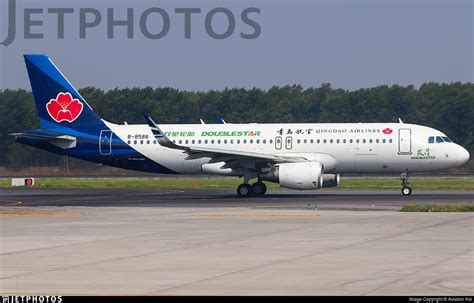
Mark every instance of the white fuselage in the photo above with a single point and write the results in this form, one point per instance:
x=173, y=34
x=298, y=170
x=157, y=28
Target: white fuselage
x=341, y=147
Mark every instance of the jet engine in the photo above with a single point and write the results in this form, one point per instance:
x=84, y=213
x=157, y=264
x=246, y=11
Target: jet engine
x=331, y=180
x=300, y=175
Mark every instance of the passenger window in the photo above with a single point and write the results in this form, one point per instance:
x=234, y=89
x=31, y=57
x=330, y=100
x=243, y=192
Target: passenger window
x=363, y=140
x=199, y=141
x=258, y=141
x=251, y=141
x=377, y=141
x=305, y=141
x=205, y=141
x=231, y=141
x=439, y=140
x=245, y=141
x=330, y=141
x=298, y=141
x=128, y=142
x=141, y=142
x=357, y=140
x=383, y=141
x=311, y=141
x=431, y=140
x=344, y=141
x=318, y=141
x=324, y=141
x=225, y=141
x=390, y=140
x=238, y=141
x=193, y=142
x=370, y=140
x=271, y=141
x=212, y=141
x=350, y=141
x=264, y=141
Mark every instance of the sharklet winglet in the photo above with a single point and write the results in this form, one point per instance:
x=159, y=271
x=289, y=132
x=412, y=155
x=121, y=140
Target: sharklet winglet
x=160, y=136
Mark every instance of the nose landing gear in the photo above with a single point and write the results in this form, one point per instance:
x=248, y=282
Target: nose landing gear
x=406, y=189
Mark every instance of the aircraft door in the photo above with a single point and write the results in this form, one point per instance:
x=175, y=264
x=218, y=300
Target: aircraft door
x=105, y=142
x=278, y=142
x=288, y=142
x=404, y=141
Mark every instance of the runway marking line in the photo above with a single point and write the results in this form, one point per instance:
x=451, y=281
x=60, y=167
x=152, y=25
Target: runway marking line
x=10, y=203
x=265, y=207
x=258, y=215
x=38, y=214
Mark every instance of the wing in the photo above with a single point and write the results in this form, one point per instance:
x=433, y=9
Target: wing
x=232, y=158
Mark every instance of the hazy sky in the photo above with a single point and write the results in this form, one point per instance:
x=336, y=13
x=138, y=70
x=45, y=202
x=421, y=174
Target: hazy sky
x=351, y=44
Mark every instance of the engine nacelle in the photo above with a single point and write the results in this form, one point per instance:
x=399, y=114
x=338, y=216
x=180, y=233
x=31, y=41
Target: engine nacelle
x=331, y=180
x=300, y=175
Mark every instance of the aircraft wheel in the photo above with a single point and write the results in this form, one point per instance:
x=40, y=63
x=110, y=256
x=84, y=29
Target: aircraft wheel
x=406, y=191
x=259, y=188
x=244, y=190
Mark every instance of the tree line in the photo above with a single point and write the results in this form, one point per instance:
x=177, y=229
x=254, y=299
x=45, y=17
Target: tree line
x=447, y=107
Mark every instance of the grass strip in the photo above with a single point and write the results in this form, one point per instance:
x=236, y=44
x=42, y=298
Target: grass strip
x=438, y=208
x=232, y=183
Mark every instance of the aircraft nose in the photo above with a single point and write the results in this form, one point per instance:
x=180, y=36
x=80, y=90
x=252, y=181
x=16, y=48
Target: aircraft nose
x=463, y=155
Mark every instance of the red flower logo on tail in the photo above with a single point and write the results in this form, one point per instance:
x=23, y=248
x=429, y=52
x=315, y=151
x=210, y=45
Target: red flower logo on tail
x=64, y=108
x=387, y=131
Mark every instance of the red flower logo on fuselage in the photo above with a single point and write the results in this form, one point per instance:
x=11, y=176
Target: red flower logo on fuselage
x=64, y=108
x=387, y=131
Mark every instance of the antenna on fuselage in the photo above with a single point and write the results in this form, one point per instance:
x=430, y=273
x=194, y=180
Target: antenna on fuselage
x=202, y=122
x=400, y=121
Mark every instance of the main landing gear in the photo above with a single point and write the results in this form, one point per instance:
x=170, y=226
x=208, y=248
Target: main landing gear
x=406, y=189
x=257, y=189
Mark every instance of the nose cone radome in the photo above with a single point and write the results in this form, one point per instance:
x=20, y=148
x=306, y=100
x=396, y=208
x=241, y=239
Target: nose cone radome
x=462, y=156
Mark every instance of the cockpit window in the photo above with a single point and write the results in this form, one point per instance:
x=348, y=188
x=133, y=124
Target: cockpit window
x=432, y=139
x=446, y=139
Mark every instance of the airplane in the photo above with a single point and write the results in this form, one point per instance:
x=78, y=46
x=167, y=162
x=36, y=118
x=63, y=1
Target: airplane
x=300, y=156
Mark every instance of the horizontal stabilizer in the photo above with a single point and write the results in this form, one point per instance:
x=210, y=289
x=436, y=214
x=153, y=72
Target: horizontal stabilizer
x=60, y=140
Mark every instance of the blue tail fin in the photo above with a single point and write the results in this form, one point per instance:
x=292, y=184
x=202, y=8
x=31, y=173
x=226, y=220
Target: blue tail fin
x=58, y=102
